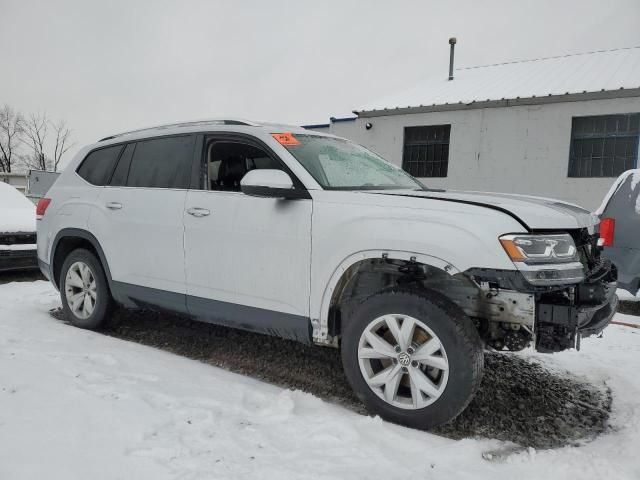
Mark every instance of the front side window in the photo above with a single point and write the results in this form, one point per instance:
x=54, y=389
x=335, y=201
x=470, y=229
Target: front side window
x=98, y=166
x=228, y=162
x=338, y=164
x=162, y=162
x=604, y=145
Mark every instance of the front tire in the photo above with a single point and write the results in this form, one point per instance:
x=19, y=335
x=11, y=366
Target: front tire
x=86, y=299
x=413, y=358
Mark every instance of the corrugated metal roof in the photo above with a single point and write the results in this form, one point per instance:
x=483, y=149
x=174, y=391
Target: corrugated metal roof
x=604, y=70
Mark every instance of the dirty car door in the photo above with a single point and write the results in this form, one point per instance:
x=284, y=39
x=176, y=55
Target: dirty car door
x=247, y=258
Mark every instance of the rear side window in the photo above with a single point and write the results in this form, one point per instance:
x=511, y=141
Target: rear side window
x=162, y=163
x=120, y=174
x=98, y=166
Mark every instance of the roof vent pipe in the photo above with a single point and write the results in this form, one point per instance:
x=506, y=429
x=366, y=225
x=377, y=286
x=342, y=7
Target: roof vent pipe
x=452, y=42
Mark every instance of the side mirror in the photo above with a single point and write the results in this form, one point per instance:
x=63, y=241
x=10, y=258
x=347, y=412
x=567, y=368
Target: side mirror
x=268, y=183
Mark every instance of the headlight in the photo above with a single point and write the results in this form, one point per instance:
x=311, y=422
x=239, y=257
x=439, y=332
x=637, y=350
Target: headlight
x=536, y=249
x=545, y=259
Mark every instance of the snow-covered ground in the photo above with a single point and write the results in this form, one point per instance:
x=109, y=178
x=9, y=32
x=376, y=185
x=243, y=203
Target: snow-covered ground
x=80, y=405
x=627, y=296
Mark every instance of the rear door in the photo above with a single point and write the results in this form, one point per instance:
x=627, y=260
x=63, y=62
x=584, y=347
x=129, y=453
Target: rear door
x=247, y=258
x=139, y=220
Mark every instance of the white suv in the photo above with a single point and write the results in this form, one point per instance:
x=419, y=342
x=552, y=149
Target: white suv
x=311, y=237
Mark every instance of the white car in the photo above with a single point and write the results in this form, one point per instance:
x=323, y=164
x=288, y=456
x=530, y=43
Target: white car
x=311, y=237
x=17, y=230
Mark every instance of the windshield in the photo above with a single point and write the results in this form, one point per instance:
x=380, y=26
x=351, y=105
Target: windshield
x=338, y=164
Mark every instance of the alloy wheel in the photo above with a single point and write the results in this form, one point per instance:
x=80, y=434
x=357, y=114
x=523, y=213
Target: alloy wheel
x=403, y=361
x=81, y=290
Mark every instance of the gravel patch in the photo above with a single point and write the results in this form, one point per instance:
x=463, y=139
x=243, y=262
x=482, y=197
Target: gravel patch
x=629, y=307
x=519, y=400
x=21, y=276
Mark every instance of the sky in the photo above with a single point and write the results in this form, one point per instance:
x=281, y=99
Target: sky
x=111, y=66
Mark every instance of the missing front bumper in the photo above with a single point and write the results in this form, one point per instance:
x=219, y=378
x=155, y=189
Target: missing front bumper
x=559, y=327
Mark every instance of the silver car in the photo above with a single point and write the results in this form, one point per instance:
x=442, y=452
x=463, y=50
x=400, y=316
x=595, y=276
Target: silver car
x=620, y=214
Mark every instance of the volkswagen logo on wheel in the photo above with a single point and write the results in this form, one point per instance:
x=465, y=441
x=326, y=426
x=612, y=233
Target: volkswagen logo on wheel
x=404, y=359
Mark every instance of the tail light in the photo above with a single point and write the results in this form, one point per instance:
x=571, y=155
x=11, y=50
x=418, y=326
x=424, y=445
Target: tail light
x=43, y=204
x=607, y=231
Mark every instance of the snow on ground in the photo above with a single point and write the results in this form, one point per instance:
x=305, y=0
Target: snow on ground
x=628, y=320
x=76, y=404
x=19, y=246
x=628, y=296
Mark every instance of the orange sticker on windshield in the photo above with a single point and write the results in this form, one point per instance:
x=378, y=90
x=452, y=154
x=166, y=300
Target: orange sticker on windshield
x=285, y=138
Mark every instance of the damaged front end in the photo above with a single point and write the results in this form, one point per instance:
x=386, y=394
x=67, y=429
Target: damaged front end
x=511, y=309
x=564, y=317
x=553, y=317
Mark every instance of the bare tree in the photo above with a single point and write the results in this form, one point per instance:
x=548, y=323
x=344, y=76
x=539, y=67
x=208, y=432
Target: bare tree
x=34, y=137
x=11, y=128
x=63, y=137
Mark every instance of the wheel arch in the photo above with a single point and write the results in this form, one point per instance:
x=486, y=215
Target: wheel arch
x=69, y=239
x=343, y=273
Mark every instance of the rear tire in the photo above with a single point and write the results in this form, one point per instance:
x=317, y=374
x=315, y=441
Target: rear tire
x=86, y=299
x=413, y=358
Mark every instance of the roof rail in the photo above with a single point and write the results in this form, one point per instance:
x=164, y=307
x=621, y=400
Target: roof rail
x=213, y=121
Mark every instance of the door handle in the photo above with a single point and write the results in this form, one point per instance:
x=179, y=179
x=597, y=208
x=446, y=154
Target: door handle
x=198, y=212
x=114, y=205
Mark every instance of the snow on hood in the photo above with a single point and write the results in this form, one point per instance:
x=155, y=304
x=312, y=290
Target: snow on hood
x=536, y=212
x=17, y=212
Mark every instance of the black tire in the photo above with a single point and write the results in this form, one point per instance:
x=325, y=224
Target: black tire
x=104, y=301
x=457, y=335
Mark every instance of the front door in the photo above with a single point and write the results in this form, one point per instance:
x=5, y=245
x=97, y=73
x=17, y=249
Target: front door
x=247, y=258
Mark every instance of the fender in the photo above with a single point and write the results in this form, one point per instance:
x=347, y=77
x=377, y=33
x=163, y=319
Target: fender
x=320, y=324
x=85, y=235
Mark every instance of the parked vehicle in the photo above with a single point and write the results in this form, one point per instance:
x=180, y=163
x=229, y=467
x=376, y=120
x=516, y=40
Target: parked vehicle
x=39, y=182
x=311, y=237
x=620, y=211
x=17, y=230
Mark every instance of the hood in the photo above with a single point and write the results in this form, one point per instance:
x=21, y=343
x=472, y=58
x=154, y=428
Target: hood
x=536, y=213
x=17, y=212
x=18, y=220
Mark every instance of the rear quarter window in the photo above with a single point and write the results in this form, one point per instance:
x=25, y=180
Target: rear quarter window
x=121, y=172
x=162, y=163
x=98, y=166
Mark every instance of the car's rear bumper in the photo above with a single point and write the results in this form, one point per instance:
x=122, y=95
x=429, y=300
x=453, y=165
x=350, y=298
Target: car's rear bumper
x=11, y=260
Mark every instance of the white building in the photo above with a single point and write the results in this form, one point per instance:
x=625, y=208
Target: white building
x=17, y=180
x=561, y=127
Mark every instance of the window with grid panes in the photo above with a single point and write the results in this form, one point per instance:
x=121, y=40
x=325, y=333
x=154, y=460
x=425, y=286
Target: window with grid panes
x=604, y=145
x=426, y=150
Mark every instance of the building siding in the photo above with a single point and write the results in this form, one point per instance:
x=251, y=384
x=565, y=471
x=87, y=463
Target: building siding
x=519, y=149
x=17, y=180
